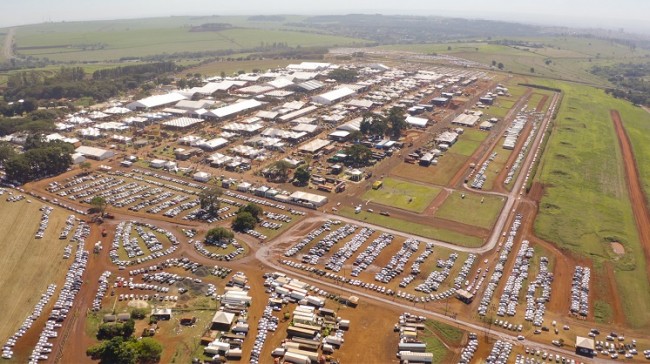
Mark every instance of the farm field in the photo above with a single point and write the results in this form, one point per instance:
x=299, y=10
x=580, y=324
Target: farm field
x=402, y=194
x=414, y=228
x=28, y=264
x=586, y=204
x=101, y=41
x=473, y=209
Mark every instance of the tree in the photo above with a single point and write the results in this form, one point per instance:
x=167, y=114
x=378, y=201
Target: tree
x=397, y=122
x=148, y=350
x=494, y=63
x=366, y=124
x=209, y=200
x=281, y=170
x=532, y=69
x=343, y=75
x=254, y=209
x=359, y=154
x=115, y=350
x=302, y=176
x=244, y=222
x=99, y=204
x=355, y=135
x=6, y=152
x=138, y=313
x=500, y=66
x=218, y=236
x=85, y=166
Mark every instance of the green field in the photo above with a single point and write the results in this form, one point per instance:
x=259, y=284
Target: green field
x=473, y=209
x=586, y=204
x=112, y=40
x=28, y=265
x=403, y=195
x=468, y=142
x=414, y=228
x=496, y=166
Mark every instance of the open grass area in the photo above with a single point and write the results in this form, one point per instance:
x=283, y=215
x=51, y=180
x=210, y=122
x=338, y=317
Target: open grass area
x=448, y=165
x=28, y=265
x=586, y=204
x=451, y=335
x=112, y=40
x=472, y=209
x=414, y=228
x=402, y=194
x=468, y=142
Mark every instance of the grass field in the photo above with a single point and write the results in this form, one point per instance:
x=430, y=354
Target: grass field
x=439, y=175
x=496, y=166
x=28, y=265
x=473, y=209
x=586, y=202
x=111, y=40
x=414, y=228
x=402, y=194
x=468, y=142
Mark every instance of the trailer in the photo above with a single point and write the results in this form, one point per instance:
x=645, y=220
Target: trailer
x=296, y=358
x=412, y=346
x=333, y=340
x=413, y=357
x=300, y=332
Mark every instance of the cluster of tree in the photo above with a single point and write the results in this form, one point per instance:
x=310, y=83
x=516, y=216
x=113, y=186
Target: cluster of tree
x=209, y=200
x=71, y=83
x=358, y=155
x=343, y=76
x=119, y=350
x=211, y=27
x=631, y=79
x=247, y=217
x=17, y=108
x=40, y=160
x=218, y=236
x=266, y=18
x=32, y=125
x=110, y=330
x=137, y=70
x=301, y=176
x=377, y=125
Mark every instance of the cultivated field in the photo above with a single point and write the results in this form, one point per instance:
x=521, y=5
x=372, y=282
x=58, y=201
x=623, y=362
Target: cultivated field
x=586, y=205
x=112, y=40
x=28, y=265
x=403, y=195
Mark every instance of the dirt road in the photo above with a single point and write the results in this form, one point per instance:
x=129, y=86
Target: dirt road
x=8, y=46
x=634, y=187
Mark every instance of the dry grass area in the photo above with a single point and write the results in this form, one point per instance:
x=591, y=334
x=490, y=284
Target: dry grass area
x=28, y=265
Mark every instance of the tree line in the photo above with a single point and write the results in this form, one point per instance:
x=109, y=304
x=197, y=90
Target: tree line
x=72, y=83
x=40, y=159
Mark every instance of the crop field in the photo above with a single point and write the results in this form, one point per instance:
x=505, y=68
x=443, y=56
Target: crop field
x=403, y=195
x=100, y=41
x=586, y=204
x=28, y=265
x=472, y=209
x=414, y=228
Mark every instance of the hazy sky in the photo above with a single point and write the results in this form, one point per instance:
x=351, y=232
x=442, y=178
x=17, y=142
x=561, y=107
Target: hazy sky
x=632, y=15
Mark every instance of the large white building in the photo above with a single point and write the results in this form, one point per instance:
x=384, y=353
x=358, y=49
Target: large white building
x=156, y=101
x=333, y=96
x=95, y=153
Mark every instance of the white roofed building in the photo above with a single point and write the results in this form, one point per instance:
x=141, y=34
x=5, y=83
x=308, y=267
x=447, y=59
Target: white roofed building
x=333, y=96
x=156, y=101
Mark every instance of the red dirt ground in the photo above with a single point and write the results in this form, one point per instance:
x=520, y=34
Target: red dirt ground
x=541, y=103
x=637, y=196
